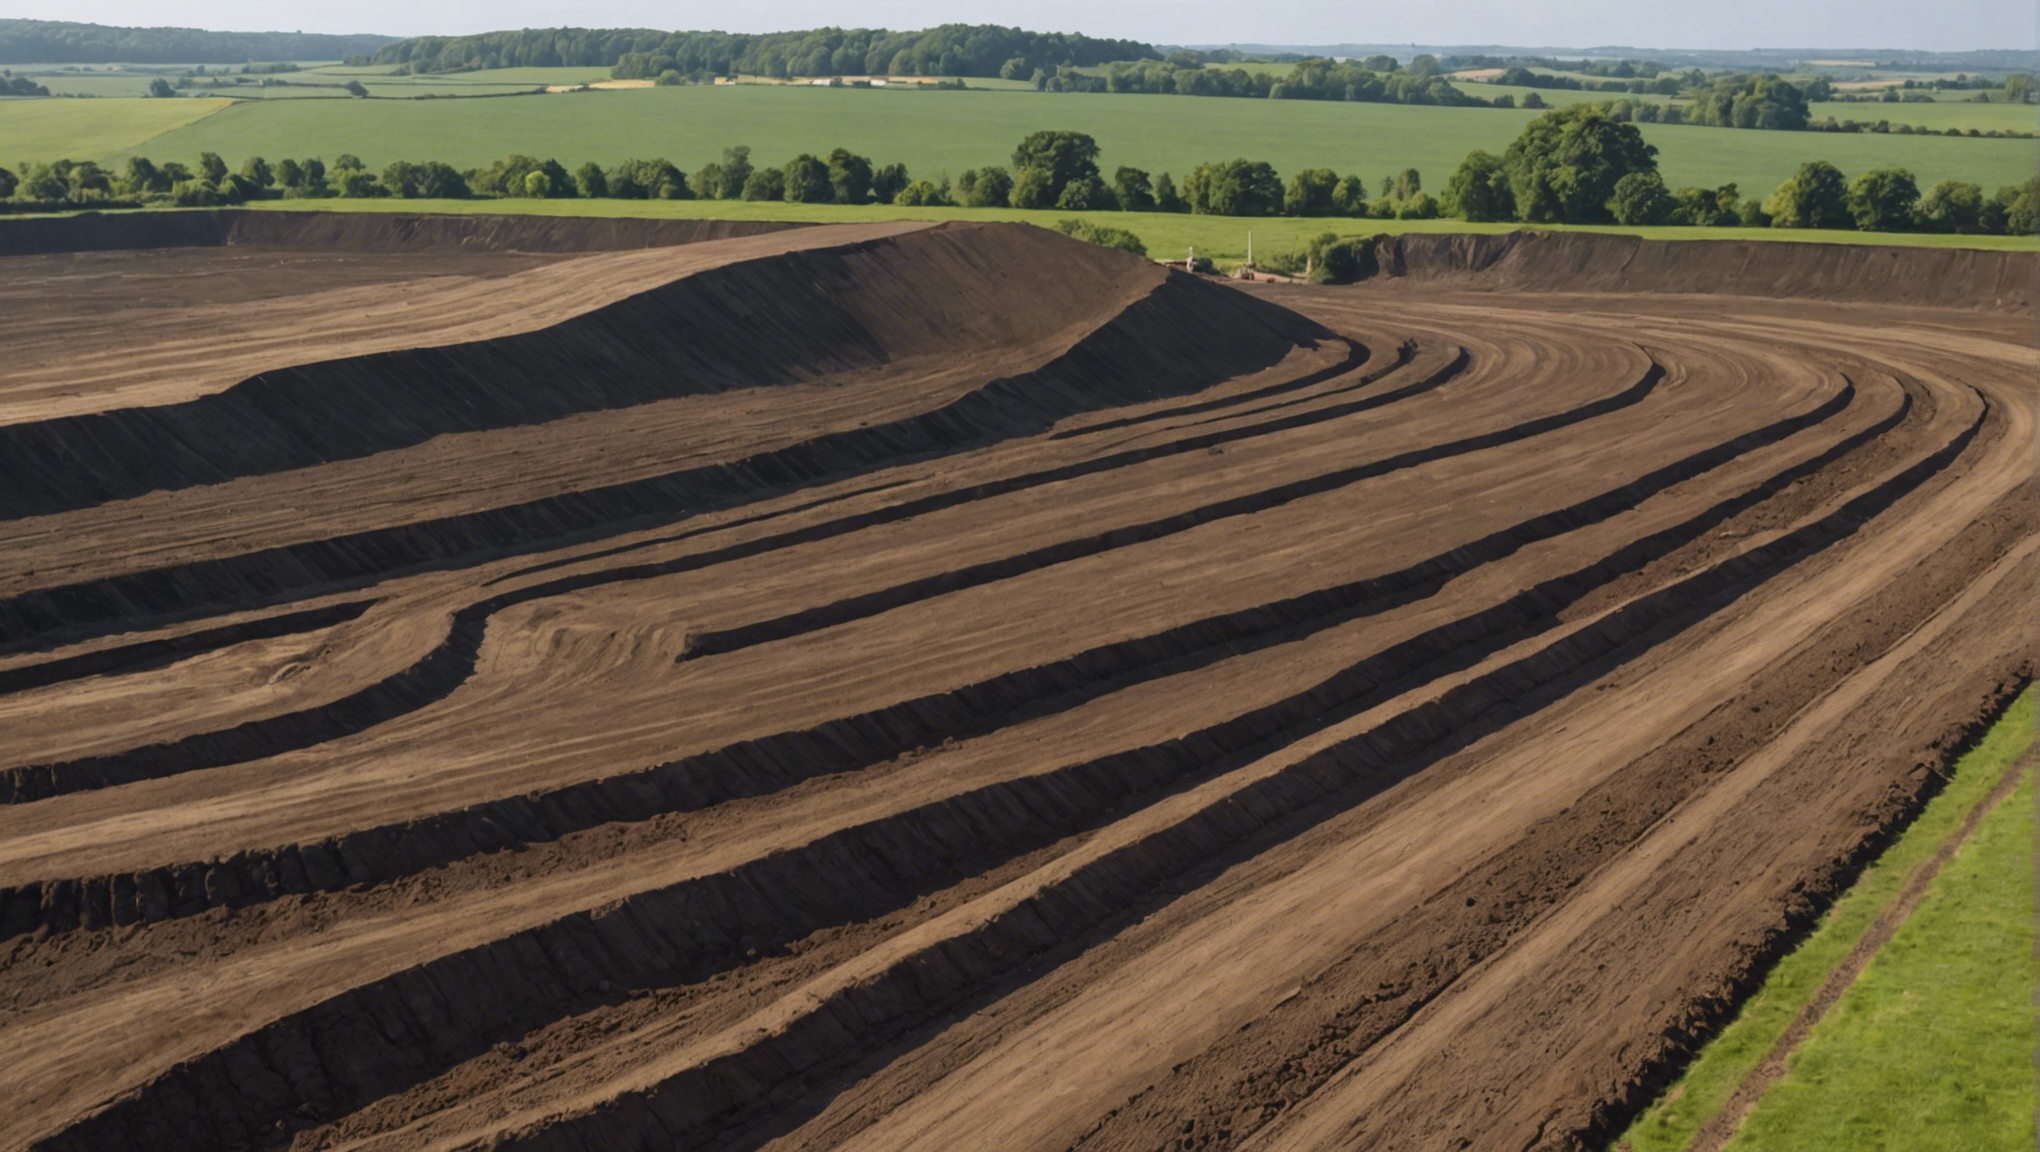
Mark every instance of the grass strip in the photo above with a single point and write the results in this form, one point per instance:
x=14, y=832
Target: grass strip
x=1931, y=1048
x=1675, y=1119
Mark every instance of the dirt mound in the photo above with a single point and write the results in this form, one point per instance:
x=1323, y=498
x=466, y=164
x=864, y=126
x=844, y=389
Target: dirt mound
x=922, y=688
x=757, y=323
x=1599, y=262
x=359, y=232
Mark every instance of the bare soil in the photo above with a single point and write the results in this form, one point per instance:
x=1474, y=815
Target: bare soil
x=936, y=687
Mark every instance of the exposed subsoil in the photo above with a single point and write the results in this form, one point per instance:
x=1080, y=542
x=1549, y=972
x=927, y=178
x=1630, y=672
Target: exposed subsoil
x=893, y=687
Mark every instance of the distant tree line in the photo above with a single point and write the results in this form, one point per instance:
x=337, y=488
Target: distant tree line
x=1571, y=166
x=644, y=54
x=64, y=42
x=1377, y=80
x=1578, y=166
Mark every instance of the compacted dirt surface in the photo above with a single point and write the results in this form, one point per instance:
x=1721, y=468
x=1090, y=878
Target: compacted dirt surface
x=931, y=687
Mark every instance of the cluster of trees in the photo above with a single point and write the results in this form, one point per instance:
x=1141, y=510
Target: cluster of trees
x=645, y=54
x=12, y=85
x=1311, y=79
x=1579, y=166
x=65, y=42
x=1666, y=85
x=1750, y=101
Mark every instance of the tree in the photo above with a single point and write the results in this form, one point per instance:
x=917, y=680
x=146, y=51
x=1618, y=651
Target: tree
x=1234, y=188
x=1816, y=196
x=290, y=175
x=807, y=181
x=1350, y=197
x=1312, y=192
x=1032, y=188
x=356, y=88
x=647, y=180
x=766, y=184
x=1641, y=198
x=2022, y=207
x=1166, y=199
x=142, y=179
x=1064, y=156
x=1417, y=207
x=592, y=181
x=850, y=177
x=987, y=187
x=1565, y=165
x=1952, y=206
x=161, y=89
x=1133, y=190
x=257, y=172
x=1533, y=101
x=1086, y=194
x=922, y=194
x=8, y=183
x=887, y=181
x=438, y=181
x=401, y=180
x=735, y=173
x=211, y=168
x=1479, y=191
x=357, y=184
x=1882, y=200
x=1707, y=207
x=537, y=184
x=347, y=161
x=1407, y=184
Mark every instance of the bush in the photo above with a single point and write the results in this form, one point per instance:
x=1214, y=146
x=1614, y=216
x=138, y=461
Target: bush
x=1118, y=238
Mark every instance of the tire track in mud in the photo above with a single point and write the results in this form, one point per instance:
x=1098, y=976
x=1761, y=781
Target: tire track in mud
x=768, y=764
x=844, y=927
x=974, y=818
x=872, y=1005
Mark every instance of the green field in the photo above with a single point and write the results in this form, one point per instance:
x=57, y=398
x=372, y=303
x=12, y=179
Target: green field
x=1940, y=115
x=1932, y=1047
x=938, y=133
x=1222, y=238
x=45, y=130
x=1962, y=965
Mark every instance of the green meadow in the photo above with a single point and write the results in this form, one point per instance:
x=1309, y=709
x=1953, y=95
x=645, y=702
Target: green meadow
x=933, y=133
x=1222, y=238
x=45, y=130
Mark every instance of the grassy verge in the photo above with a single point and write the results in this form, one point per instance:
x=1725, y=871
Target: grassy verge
x=1671, y=1123
x=1167, y=236
x=1932, y=1047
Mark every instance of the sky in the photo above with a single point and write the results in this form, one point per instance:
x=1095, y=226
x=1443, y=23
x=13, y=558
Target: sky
x=1946, y=25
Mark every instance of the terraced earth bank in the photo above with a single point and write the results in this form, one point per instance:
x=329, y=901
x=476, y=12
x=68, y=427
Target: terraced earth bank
x=932, y=687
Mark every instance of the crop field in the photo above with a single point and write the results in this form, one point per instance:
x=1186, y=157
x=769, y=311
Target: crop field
x=548, y=683
x=937, y=133
x=1939, y=115
x=1170, y=236
x=45, y=130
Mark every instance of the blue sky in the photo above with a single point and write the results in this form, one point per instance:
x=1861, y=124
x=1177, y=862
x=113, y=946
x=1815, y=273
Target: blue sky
x=1941, y=26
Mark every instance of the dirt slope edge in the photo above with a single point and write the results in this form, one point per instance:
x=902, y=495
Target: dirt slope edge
x=1600, y=262
x=360, y=232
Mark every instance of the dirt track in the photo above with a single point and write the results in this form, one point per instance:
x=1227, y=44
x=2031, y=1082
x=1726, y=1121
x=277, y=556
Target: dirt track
x=897, y=687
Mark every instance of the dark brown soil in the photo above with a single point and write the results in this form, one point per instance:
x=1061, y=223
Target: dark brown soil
x=881, y=686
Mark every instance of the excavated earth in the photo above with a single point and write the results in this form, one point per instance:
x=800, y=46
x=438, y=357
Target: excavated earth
x=581, y=685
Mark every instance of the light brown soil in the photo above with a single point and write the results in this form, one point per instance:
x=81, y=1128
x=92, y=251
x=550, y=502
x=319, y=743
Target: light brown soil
x=952, y=687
